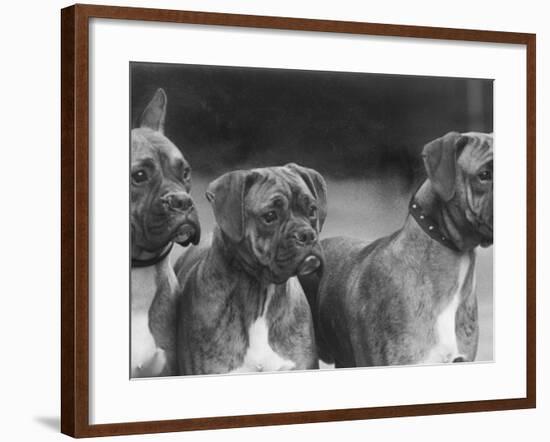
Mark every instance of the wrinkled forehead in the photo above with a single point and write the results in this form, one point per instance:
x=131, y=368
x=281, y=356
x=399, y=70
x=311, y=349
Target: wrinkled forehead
x=274, y=183
x=478, y=151
x=148, y=144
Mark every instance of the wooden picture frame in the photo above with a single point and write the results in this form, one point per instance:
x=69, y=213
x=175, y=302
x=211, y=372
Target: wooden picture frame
x=75, y=220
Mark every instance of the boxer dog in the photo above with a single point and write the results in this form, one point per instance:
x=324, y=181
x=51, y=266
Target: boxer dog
x=242, y=308
x=161, y=213
x=409, y=298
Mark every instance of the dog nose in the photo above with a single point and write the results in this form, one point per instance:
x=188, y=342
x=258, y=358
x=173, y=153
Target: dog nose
x=179, y=202
x=305, y=237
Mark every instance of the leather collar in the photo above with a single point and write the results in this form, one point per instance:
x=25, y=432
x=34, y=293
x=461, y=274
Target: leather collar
x=152, y=261
x=430, y=226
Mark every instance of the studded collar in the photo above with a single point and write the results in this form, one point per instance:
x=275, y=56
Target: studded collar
x=430, y=226
x=152, y=261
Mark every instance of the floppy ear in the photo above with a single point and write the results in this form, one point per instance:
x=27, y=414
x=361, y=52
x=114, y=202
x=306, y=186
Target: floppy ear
x=155, y=112
x=226, y=194
x=440, y=162
x=318, y=187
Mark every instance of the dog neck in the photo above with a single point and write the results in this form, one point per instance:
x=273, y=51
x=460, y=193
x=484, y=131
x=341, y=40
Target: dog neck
x=449, y=218
x=240, y=259
x=143, y=258
x=242, y=279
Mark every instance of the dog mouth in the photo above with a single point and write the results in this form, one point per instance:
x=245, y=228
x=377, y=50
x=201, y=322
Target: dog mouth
x=187, y=233
x=485, y=229
x=483, y=225
x=310, y=264
x=486, y=237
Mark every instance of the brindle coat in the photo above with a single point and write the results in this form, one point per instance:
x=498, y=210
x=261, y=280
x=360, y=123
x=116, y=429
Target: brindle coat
x=242, y=308
x=406, y=298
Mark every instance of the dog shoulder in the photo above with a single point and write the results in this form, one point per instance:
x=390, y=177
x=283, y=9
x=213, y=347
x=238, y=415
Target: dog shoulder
x=187, y=260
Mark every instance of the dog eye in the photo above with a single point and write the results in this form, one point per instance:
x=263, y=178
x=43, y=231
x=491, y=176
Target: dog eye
x=186, y=174
x=485, y=175
x=139, y=176
x=270, y=216
x=312, y=212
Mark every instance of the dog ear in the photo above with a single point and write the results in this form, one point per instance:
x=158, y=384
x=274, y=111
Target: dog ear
x=318, y=187
x=226, y=195
x=154, y=114
x=439, y=158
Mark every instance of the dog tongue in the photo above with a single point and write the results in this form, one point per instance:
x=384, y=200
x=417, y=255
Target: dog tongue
x=308, y=265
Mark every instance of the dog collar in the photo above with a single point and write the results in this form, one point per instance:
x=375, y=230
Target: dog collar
x=152, y=261
x=430, y=226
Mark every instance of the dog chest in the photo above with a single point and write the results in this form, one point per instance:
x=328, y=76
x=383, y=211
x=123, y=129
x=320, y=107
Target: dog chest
x=146, y=358
x=446, y=347
x=259, y=355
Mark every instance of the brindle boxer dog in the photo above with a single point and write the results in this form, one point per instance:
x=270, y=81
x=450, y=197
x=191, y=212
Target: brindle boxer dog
x=161, y=213
x=409, y=298
x=242, y=308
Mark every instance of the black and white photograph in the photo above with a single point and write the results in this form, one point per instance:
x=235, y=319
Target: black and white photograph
x=308, y=220
x=273, y=221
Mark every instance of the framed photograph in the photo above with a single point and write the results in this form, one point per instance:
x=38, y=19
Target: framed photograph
x=271, y=221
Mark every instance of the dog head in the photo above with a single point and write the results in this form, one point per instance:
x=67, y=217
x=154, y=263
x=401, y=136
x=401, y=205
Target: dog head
x=273, y=217
x=162, y=210
x=460, y=168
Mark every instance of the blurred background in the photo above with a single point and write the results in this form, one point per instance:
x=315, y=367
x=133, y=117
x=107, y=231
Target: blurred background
x=363, y=132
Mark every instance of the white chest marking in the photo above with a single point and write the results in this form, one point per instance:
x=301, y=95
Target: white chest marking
x=294, y=288
x=446, y=348
x=146, y=358
x=259, y=355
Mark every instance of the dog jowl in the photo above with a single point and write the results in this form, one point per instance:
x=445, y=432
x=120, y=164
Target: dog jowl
x=161, y=213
